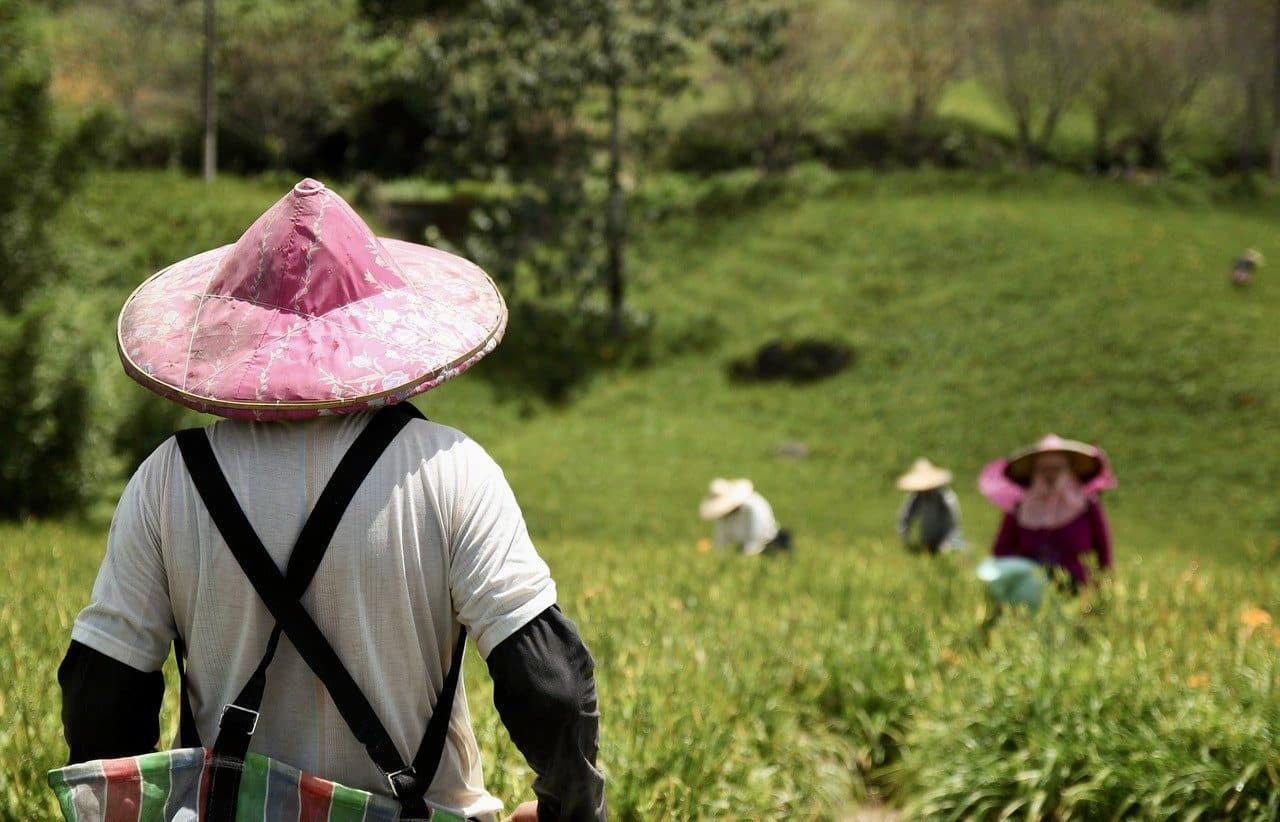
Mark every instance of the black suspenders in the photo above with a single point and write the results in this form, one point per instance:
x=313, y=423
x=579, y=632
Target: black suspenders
x=280, y=593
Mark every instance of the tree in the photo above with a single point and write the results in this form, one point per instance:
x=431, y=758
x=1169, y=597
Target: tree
x=1146, y=66
x=1029, y=54
x=918, y=46
x=47, y=367
x=1242, y=34
x=281, y=69
x=644, y=49
x=541, y=94
x=37, y=165
x=778, y=61
x=133, y=58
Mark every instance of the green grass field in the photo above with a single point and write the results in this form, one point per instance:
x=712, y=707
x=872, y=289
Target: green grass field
x=984, y=311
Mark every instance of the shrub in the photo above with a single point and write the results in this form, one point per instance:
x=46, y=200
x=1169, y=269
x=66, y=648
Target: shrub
x=551, y=349
x=712, y=142
x=945, y=142
x=35, y=170
x=56, y=451
x=797, y=361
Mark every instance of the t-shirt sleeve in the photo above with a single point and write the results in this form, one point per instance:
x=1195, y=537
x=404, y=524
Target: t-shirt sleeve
x=496, y=578
x=129, y=617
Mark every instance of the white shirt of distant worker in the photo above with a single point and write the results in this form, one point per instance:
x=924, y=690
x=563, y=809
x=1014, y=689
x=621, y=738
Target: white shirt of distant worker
x=742, y=516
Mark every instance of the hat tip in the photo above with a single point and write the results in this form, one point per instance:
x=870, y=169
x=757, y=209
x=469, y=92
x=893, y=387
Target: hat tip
x=308, y=186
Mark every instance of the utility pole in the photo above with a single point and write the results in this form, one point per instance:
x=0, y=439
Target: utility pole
x=210, y=97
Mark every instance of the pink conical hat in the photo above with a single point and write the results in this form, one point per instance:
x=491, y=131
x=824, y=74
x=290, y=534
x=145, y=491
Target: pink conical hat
x=307, y=314
x=1004, y=481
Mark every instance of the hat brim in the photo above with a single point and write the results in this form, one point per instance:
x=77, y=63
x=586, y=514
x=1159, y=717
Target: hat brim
x=1083, y=459
x=240, y=359
x=719, y=505
x=916, y=482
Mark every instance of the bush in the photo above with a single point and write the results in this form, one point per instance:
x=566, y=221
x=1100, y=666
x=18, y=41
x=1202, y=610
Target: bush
x=947, y=143
x=35, y=170
x=57, y=448
x=551, y=349
x=796, y=361
x=712, y=142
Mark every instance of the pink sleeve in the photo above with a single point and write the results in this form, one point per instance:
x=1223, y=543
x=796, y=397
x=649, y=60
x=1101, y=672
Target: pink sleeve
x=1101, y=534
x=1007, y=538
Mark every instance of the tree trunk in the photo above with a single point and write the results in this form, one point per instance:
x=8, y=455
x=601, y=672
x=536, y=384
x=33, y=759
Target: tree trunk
x=1101, y=143
x=1026, y=147
x=616, y=216
x=1247, y=143
x=1275, y=95
x=210, y=98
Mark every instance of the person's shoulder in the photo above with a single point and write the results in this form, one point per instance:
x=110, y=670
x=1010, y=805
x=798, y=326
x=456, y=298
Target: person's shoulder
x=429, y=430
x=437, y=439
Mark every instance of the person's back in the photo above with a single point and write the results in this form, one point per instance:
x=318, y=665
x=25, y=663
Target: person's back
x=432, y=528
x=935, y=513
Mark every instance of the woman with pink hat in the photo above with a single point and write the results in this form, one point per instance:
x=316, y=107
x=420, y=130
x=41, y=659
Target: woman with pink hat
x=1053, y=514
x=326, y=511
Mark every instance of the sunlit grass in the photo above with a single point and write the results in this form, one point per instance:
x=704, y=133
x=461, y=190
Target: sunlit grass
x=770, y=688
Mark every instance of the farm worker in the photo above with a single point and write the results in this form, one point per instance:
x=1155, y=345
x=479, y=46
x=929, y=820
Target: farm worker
x=1243, y=270
x=1053, y=515
x=308, y=335
x=931, y=506
x=743, y=518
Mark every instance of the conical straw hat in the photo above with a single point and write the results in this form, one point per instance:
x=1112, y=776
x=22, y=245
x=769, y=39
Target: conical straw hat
x=307, y=314
x=1085, y=459
x=723, y=496
x=924, y=476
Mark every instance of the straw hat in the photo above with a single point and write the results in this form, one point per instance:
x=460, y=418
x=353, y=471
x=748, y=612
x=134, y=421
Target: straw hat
x=308, y=314
x=1085, y=460
x=924, y=476
x=724, y=495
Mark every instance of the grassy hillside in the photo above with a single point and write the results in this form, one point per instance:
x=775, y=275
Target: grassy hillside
x=983, y=316
x=984, y=312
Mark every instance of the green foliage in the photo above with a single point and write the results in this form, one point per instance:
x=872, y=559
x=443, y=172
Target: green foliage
x=282, y=68
x=799, y=688
x=1121, y=712
x=551, y=350
x=35, y=171
x=56, y=454
x=779, y=64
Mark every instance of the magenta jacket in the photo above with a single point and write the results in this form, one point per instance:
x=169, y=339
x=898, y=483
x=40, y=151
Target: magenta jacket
x=1064, y=546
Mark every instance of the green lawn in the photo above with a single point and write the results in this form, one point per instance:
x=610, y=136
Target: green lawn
x=984, y=312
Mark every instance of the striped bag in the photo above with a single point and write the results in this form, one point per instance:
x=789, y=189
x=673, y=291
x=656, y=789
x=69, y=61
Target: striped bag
x=169, y=785
x=226, y=783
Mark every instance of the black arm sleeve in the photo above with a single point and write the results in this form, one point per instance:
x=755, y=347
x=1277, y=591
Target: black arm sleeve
x=545, y=693
x=109, y=709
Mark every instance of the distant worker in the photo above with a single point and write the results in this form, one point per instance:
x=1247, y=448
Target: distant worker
x=1245, y=267
x=1053, y=516
x=932, y=506
x=743, y=518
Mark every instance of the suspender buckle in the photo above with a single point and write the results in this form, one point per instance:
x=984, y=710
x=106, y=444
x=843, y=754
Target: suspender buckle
x=240, y=717
x=401, y=779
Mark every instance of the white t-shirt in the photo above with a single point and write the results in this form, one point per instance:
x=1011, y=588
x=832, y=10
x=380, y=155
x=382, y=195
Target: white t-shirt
x=750, y=525
x=433, y=538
